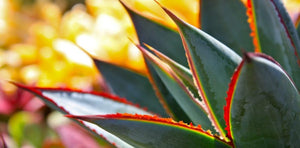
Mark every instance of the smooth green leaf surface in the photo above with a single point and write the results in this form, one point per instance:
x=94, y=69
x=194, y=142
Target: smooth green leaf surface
x=130, y=85
x=184, y=74
x=212, y=65
x=288, y=25
x=226, y=21
x=158, y=36
x=85, y=103
x=264, y=105
x=174, y=109
x=181, y=94
x=142, y=131
x=276, y=35
x=181, y=71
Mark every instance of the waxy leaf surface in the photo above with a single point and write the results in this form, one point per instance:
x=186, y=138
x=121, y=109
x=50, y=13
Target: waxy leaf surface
x=169, y=102
x=276, y=35
x=212, y=65
x=142, y=131
x=181, y=94
x=226, y=21
x=156, y=34
x=130, y=85
x=263, y=105
x=84, y=103
x=181, y=71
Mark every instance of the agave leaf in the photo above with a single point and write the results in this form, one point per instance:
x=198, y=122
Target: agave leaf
x=275, y=35
x=288, y=24
x=166, y=98
x=155, y=34
x=142, y=131
x=263, y=105
x=227, y=22
x=191, y=106
x=212, y=64
x=86, y=103
x=131, y=85
x=182, y=72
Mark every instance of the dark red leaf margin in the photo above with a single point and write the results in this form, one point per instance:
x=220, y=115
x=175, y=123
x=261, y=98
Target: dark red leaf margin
x=232, y=88
x=150, y=118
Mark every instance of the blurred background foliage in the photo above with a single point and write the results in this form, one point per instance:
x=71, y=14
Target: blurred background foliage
x=40, y=45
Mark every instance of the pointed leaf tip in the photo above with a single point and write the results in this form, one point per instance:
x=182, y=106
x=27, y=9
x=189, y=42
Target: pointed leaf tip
x=262, y=97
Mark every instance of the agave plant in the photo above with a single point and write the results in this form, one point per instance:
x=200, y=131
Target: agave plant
x=208, y=87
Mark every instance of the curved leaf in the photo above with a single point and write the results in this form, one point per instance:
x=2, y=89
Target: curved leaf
x=190, y=105
x=156, y=34
x=142, y=131
x=275, y=34
x=186, y=77
x=153, y=33
x=86, y=103
x=182, y=72
x=170, y=104
x=263, y=105
x=227, y=22
x=212, y=64
x=130, y=85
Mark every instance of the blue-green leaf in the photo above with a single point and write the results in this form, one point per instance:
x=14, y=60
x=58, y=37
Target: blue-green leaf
x=226, y=20
x=186, y=100
x=86, y=103
x=275, y=34
x=131, y=85
x=263, y=105
x=150, y=131
x=212, y=65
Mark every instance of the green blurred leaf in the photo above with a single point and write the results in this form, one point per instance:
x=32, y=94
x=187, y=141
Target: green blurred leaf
x=142, y=131
x=226, y=21
x=182, y=95
x=130, y=85
x=264, y=105
x=276, y=35
x=212, y=65
x=86, y=103
x=35, y=133
x=17, y=124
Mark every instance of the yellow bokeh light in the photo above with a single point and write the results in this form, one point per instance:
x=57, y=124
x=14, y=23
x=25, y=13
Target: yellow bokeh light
x=41, y=41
